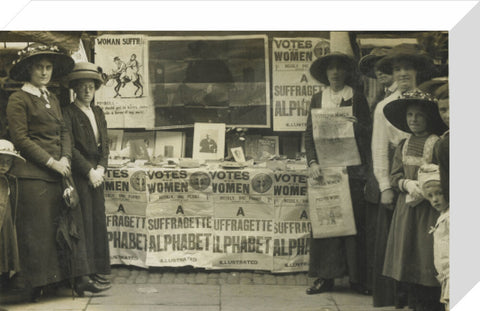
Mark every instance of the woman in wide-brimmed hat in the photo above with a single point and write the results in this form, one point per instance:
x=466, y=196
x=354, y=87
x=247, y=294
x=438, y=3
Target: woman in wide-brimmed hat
x=38, y=131
x=88, y=127
x=409, y=251
x=369, y=67
x=405, y=62
x=9, y=259
x=382, y=288
x=332, y=258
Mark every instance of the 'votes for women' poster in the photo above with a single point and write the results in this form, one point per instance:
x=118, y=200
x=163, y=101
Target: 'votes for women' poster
x=293, y=86
x=335, y=142
x=124, y=97
x=330, y=204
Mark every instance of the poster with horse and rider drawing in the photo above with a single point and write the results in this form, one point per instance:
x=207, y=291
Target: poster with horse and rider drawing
x=124, y=97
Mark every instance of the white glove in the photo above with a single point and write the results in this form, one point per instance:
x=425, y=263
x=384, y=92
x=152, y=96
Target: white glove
x=96, y=179
x=412, y=188
x=101, y=170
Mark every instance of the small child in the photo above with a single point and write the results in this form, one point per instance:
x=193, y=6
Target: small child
x=9, y=259
x=429, y=180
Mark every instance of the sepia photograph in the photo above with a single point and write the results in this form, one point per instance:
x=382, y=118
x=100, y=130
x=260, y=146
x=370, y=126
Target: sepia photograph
x=342, y=201
x=209, y=141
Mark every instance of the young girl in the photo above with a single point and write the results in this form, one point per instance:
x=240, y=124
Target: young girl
x=9, y=260
x=429, y=180
x=409, y=253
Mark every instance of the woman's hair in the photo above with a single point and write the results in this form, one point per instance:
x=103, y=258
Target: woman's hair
x=349, y=75
x=37, y=58
x=384, y=69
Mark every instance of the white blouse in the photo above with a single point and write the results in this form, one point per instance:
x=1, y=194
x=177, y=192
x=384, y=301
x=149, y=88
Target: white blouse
x=384, y=133
x=331, y=99
x=91, y=116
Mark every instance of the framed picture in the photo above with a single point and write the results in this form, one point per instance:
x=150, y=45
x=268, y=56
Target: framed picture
x=262, y=148
x=169, y=144
x=210, y=79
x=209, y=141
x=115, y=138
x=138, y=145
x=238, y=155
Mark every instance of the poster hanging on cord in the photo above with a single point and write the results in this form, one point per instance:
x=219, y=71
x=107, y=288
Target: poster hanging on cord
x=330, y=204
x=124, y=97
x=180, y=233
x=292, y=228
x=334, y=138
x=126, y=232
x=293, y=86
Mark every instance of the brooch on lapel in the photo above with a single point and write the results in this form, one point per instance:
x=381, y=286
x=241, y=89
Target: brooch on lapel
x=48, y=106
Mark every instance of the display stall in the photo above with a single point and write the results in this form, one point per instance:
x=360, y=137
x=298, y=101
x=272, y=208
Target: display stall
x=214, y=98
x=209, y=217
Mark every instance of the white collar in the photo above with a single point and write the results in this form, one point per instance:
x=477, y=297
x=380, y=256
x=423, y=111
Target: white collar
x=392, y=88
x=81, y=106
x=444, y=216
x=32, y=89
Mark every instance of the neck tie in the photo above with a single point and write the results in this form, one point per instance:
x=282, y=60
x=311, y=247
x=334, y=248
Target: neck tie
x=45, y=96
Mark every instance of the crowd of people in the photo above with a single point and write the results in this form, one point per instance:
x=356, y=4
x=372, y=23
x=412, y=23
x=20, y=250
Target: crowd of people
x=399, y=193
x=52, y=173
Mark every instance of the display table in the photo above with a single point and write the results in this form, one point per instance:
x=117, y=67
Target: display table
x=253, y=218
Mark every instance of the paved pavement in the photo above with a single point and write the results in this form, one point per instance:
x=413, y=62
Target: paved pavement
x=172, y=289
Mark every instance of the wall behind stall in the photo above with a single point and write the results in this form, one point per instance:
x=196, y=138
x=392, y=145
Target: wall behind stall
x=289, y=142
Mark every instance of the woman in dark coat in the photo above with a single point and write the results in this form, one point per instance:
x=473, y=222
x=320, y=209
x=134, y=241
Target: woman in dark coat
x=378, y=217
x=88, y=127
x=332, y=258
x=38, y=131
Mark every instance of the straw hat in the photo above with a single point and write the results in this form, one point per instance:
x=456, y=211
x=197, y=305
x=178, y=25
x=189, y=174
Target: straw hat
x=6, y=147
x=62, y=63
x=318, y=69
x=396, y=111
x=438, y=87
x=84, y=70
x=367, y=62
x=406, y=51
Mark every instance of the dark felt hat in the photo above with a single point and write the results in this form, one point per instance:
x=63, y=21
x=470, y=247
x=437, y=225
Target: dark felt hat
x=367, y=62
x=396, y=111
x=318, y=69
x=62, y=63
x=84, y=70
x=406, y=51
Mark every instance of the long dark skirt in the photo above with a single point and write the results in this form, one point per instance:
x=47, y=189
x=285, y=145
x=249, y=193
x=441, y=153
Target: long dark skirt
x=385, y=291
x=94, y=220
x=39, y=207
x=337, y=257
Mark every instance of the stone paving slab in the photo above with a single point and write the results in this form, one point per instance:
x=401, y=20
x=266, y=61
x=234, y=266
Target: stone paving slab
x=181, y=289
x=185, y=275
x=259, y=297
x=151, y=308
x=51, y=304
x=159, y=294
